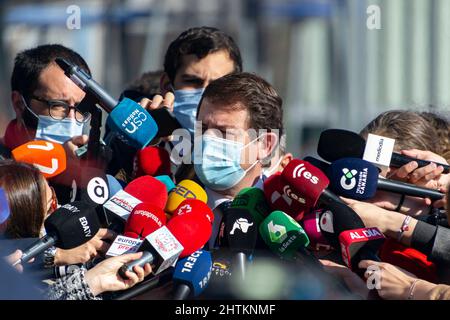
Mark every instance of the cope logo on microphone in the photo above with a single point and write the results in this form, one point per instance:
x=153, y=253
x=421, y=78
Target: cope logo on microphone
x=134, y=121
x=97, y=190
x=299, y=171
x=241, y=224
x=353, y=178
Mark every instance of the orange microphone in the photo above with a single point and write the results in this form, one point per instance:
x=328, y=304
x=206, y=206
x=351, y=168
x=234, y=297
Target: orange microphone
x=50, y=158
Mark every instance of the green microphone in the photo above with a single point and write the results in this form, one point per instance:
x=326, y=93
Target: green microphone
x=253, y=200
x=283, y=235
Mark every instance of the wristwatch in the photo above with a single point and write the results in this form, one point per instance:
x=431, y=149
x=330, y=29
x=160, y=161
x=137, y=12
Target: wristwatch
x=49, y=257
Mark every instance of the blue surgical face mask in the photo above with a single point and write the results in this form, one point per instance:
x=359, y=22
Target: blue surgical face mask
x=185, y=107
x=220, y=166
x=58, y=131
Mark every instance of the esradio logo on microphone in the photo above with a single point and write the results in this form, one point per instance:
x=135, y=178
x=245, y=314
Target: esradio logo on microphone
x=300, y=171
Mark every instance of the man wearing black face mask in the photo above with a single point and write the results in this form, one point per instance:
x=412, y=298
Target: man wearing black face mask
x=45, y=100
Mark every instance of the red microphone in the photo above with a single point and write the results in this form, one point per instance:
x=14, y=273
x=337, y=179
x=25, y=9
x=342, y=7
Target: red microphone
x=148, y=189
x=143, y=220
x=360, y=244
x=280, y=197
x=191, y=230
x=194, y=206
x=152, y=161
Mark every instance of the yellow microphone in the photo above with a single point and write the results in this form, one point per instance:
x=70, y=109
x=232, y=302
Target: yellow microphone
x=186, y=189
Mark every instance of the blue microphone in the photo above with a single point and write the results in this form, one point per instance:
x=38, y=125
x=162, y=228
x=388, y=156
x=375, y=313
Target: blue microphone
x=167, y=182
x=358, y=179
x=135, y=125
x=114, y=185
x=191, y=275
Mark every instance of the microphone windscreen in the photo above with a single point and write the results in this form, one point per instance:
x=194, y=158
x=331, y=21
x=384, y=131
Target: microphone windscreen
x=241, y=230
x=4, y=206
x=280, y=197
x=305, y=180
x=48, y=157
x=148, y=189
x=133, y=123
x=114, y=185
x=194, y=271
x=192, y=231
x=337, y=143
x=74, y=224
x=195, y=206
x=143, y=220
x=354, y=178
x=186, y=189
x=91, y=185
x=152, y=161
x=170, y=185
x=311, y=226
x=253, y=200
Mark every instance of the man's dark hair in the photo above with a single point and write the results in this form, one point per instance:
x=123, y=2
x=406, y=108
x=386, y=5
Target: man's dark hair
x=200, y=41
x=147, y=85
x=251, y=92
x=29, y=64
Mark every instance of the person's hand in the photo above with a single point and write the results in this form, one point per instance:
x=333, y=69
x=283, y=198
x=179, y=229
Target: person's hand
x=105, y=277
x=87, y=251
x=70, y=146
x=354, y=283
x=430, y=176
x=371, y=214
x=13, y=257
x=395, y=282
x=159, y=101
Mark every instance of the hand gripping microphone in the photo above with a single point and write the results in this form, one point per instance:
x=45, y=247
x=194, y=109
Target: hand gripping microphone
x=68, y=227
x=186, y=189
x=191, y=275
x=183, y=235
x=48, y=157
x=148, y=189
x=360, y=244
x=335, y=144
x=280, y=197
x=358, y=179
x=152, y=161
x=126, y=117
x=253, y=200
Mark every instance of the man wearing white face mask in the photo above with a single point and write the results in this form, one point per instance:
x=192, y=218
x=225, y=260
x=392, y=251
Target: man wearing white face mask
x=46, y=101
x=241, y=116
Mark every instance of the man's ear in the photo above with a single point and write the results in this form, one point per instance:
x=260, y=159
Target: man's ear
x=267, y=145
x=164, y=84
x=17, y=102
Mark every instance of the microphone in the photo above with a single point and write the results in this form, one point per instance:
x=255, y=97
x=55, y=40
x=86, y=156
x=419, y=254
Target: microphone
x=118, y=209
x=280, y=197
x=311, y=226
x=148, y=189
x=194, y=206
x=170, y=185
x=253, y=200
x=331, y=148
x=91, y=185
x=50, y=158
x=360, y=244
x=114, y=185
x=283, y=235
x=358, y=179
x=143, y=220
x=126, y=117
x=182, y=236
x=186, y=189
x=192, y=274
x=241, y=234
x=152, y=161
x=68, y=227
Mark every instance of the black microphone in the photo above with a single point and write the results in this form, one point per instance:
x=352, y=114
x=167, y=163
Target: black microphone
x=68, y=227
x=335, y=144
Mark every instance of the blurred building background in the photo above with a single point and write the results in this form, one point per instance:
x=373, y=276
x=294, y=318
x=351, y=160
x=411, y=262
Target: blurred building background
x=332, y=61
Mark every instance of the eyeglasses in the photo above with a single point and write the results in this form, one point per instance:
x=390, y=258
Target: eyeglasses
x=59, y=110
